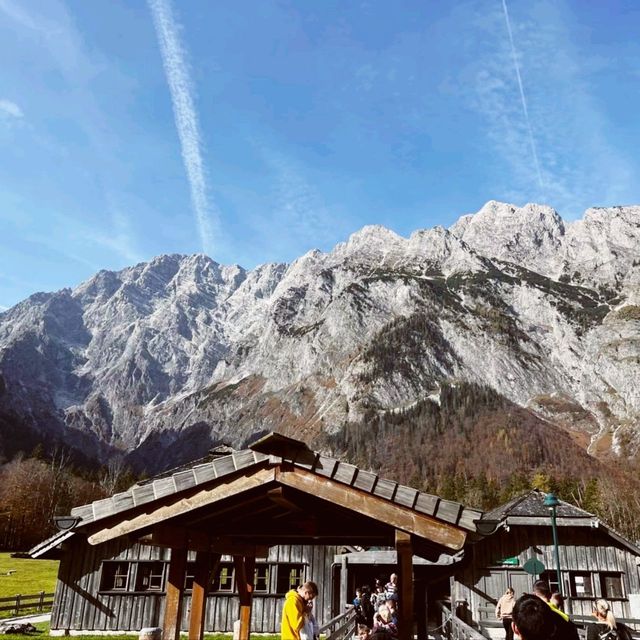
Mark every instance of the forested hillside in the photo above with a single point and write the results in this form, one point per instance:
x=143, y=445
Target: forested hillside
x=34, y=489
x=476, y=447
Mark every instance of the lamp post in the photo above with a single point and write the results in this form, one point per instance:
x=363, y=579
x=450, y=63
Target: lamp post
x=552, y=502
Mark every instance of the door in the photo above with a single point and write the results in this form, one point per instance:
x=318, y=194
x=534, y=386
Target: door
x=520, y=581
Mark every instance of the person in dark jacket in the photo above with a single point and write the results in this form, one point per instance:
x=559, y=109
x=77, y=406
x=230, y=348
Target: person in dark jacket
x=606, y=627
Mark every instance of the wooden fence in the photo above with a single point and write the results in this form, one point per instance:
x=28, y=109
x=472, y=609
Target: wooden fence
x=341, y=627
x=454, y=628
x=27, y=603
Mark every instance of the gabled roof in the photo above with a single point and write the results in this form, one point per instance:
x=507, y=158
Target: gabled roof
x=529, y=510
x=282, y=478
x=531, y=505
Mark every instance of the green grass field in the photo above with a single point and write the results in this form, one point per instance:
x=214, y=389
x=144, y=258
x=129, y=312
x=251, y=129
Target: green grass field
x=43, y=632
x=31, y=576
x=26, y=577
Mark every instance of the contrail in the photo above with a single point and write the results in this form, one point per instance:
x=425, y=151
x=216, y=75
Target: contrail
x=177, y=72
x=522, y=96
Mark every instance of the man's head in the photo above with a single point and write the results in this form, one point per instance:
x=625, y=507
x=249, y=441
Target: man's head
x=363, y=632
x=541, y=589
x=532, y=618
x=308, y=591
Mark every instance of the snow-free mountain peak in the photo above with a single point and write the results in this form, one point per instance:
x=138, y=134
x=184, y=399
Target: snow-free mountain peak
x=181, y=349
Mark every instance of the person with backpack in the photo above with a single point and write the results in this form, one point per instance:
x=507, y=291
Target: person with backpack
x=606, y=627
x=565, y=629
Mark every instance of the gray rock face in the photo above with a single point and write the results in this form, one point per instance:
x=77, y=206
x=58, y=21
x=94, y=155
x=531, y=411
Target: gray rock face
x=181, y=349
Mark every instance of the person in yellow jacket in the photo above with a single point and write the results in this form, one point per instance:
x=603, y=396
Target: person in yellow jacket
x=295, y=607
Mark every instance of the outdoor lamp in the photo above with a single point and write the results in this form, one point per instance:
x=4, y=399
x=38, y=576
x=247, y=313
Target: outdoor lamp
x=552, y=503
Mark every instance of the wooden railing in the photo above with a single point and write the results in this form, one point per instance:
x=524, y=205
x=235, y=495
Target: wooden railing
x=33, y=602
x=454, y=628
x=341, y=627
x=486, y=618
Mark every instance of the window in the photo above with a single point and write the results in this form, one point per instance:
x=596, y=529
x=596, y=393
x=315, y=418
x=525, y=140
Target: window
x=150, y=576
x=190, y=576
x=223, y=580
x=261, y=578
x=580, y=584
x=551, y=578
x=289, y=577
x=611, y=585
x=115, y=576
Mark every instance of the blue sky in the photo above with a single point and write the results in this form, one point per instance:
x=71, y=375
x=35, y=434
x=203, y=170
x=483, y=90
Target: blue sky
x=255, y=130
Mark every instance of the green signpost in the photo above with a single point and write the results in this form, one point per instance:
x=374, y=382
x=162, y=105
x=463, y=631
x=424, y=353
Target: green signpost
x=533, y=567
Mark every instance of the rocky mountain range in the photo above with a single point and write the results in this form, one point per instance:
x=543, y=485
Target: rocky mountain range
x=164, y=359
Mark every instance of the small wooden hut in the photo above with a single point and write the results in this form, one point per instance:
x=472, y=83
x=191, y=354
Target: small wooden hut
x=595, y=561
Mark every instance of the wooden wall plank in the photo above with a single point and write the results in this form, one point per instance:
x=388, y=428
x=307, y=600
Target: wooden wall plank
x=204, y=473
x=365, y=480
x=426, y=504
x=385, y=489
x=406, y=496
x=345, y=473
x=224, y=466
x=184, y=480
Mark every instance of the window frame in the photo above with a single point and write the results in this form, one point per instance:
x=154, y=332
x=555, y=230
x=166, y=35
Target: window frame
x=109, y=570
x=228, y=568
x=603, y=589
x=587, y=581
x=262, y=566
x=291, y=581
x=142, y=565
x=550, y=576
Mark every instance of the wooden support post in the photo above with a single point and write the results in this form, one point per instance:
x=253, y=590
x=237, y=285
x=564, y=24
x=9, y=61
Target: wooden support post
x=206, y=564
x=405, y=578
x=344, y=583
x=245, y=568
x=175, y=591
x=420, y=595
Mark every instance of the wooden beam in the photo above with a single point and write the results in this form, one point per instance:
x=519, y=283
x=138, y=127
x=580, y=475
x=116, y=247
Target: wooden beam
x=381, y=510
x=166, y=535
x=174, y=590
x=277, y=496
x=245, y=567
x=234, y=547
x=179, y=505
x=206, y=564
x=405, y=580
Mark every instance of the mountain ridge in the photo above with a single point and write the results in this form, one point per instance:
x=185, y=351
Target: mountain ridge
x=540, y=310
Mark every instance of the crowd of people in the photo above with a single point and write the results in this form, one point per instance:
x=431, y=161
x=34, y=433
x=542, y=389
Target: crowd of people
x=533, y=616
x=540, y=616
x=377, y=610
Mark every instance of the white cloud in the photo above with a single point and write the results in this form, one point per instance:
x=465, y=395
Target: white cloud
x=10, y=109
x=186, y=118
x=298, y=207
x=577, y=166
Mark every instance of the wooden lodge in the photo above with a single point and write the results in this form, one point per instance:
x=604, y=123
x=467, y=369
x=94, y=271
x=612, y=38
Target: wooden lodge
x=595, y=562
x=201, y=547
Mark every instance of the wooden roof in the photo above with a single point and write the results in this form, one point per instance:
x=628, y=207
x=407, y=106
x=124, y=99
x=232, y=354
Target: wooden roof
x=531, y=504
x=529, y=510
x=279, y=491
